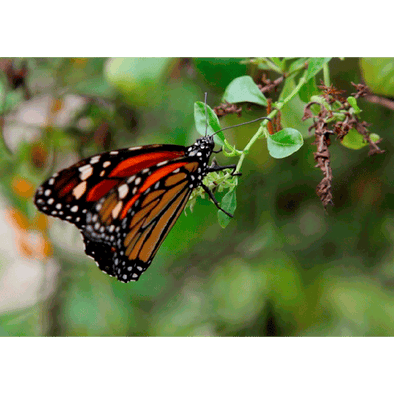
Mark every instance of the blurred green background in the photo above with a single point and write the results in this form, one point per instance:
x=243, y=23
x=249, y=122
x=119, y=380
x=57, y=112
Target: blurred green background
x=283, y=266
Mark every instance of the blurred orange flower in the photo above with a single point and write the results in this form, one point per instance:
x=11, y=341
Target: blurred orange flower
x=30, y=245
x=22, y=187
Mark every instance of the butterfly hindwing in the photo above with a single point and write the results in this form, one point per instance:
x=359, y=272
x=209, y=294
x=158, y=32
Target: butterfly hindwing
x=101, y=253
x=135, y=217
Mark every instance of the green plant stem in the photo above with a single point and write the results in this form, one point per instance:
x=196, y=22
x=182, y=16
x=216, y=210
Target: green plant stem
x=326, y=75
x=273, y=66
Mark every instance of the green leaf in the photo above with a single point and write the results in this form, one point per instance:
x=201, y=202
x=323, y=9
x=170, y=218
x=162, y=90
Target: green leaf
x=353, y=102
x=308, y=90
x=200, y=119
x=354, y=140
x=229, y=204
x=315, y=64
x=378, y=74
x=296, y=63
x=243, y=89
x=284, y=143
x=278, y=62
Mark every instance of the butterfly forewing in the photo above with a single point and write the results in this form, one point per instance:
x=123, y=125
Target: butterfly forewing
x=72, y=192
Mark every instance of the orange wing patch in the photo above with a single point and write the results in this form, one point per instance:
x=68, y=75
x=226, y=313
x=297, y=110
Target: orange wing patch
x=160, y=231
x=146, y=234
x=151, y=180
x=101, y=189
x=135, y=164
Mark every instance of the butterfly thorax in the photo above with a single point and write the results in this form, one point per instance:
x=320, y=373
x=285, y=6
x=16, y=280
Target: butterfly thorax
x=202, y=150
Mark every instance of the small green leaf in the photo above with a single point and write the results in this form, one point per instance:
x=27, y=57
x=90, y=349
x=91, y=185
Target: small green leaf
x=278, y=62
x=229, y=204
x=243, y=89
x=296, y=64
x=374, y=137
x=354, y=140
x=200, y=119
x=284, y=143
x=353, y=102
x=315, y=64
x=308, y=90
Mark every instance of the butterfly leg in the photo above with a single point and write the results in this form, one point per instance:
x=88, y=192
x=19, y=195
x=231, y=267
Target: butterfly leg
x=212, y=197
x=215, y=167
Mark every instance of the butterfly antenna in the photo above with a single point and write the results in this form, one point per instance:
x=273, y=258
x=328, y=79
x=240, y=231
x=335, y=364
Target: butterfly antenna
x=242, y=124
x=206, y=115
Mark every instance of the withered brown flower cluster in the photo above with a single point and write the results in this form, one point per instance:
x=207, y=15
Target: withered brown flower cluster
x=324, y=129
x=268, y=85
x=226, y=109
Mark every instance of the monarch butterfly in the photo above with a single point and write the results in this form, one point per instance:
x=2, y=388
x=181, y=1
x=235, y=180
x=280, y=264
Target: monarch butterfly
x=126, y=201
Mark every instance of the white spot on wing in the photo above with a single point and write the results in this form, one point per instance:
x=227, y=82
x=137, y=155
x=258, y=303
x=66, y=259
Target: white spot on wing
x=84, y=168
x=79, y=190
x=95, y=159
x=116, y=210
x=86, y=171
x=123, y=190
